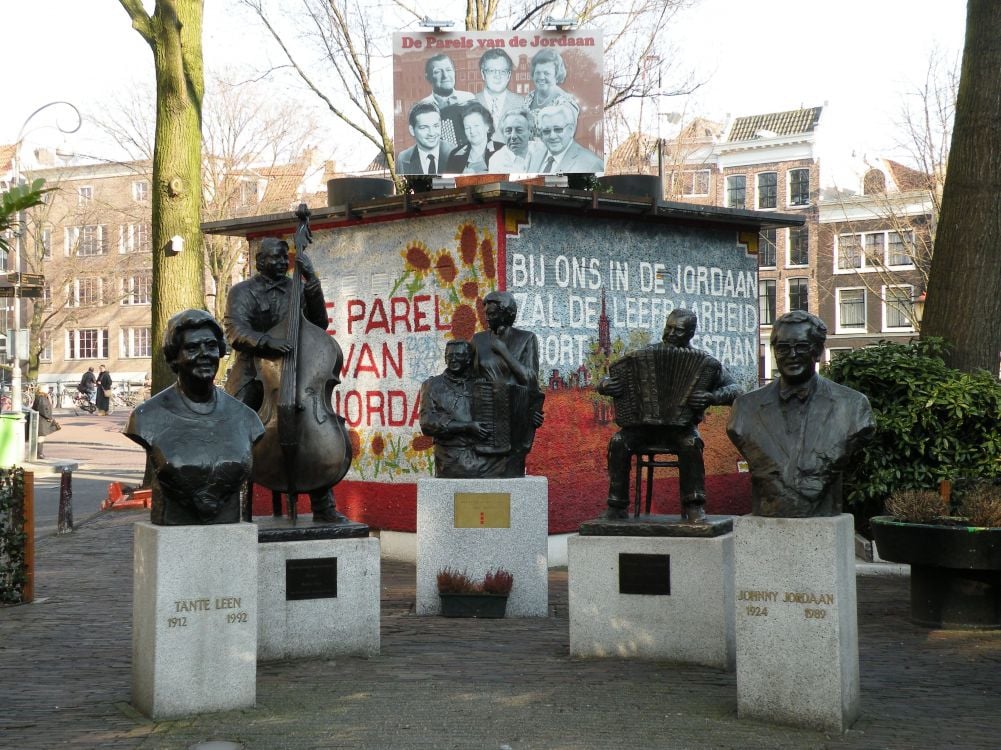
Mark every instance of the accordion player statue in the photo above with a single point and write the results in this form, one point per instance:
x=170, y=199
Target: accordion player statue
x=484, y=409
x=661, y=393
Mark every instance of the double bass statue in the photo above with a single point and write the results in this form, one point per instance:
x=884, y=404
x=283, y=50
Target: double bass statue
x=286, y=369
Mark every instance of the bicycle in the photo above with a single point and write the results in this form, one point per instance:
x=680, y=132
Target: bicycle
x=81, y=402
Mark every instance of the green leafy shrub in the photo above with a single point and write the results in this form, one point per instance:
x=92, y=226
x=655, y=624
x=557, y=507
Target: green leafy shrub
x=932, y=422
x=13, y=563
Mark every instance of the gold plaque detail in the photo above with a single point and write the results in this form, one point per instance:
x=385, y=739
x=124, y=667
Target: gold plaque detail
x=482, y=510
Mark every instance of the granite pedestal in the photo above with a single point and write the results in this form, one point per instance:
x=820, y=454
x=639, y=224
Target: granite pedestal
x=797, y=626
x=194, y=619
x=652, y=597
x=478, y=525
x=318, y=597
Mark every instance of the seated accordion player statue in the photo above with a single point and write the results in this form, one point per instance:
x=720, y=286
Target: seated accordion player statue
x=659, y=381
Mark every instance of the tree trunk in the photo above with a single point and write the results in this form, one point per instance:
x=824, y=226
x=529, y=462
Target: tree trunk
x=174, y=33
x=964, y=286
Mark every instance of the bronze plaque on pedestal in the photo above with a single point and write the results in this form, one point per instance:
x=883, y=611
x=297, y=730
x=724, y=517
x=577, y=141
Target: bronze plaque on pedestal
x=311, y=578
x=482, y=510
x=648, y=575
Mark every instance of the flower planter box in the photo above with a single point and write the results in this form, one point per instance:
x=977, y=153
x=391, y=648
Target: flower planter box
x=473, y=605
x=955, y=571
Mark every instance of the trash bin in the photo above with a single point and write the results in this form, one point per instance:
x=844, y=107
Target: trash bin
x=11, y=438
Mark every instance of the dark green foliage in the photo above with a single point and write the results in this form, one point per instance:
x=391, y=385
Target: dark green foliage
x=13, y=565
x=932, y=422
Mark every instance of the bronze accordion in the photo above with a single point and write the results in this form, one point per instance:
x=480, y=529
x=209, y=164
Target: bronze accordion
x=658, y=382
x=506, y=409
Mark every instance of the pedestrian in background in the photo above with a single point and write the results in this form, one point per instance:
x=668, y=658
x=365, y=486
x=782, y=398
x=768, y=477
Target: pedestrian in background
x=47, y=424
x=103, y=391
x=88, y=385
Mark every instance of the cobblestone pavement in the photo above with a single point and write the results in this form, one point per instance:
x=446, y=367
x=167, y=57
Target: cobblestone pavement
x=442, y=683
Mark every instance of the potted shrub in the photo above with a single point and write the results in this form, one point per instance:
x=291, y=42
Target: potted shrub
x=461, y=596
x=955, y=559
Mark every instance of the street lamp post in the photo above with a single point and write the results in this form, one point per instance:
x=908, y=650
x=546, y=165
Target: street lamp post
x=18, y=261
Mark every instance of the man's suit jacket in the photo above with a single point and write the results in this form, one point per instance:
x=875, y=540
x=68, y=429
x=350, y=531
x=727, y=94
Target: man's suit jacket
x=578, y=159
x=409, y=160
x=799, y=475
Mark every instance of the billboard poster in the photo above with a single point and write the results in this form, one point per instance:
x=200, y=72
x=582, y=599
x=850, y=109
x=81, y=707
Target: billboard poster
x=498, y=102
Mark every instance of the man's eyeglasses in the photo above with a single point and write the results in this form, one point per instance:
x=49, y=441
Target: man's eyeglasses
x=555, y=130
x=496, y=71
x=785, y=348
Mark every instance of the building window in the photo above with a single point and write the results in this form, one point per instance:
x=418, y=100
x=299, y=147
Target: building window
x=766, y=249
x=897, y=302
x=799, y=247
x=84, y=195
x=835, y=351
x=849, y=252
x=851, y=310
x=140, y=191
x=135, y=238
x=696, y=183
x=44, y=346
x=137, y=289
x=84, y=292
x=799, y=187
x=766, y=302
x=799, y=297
x=899, y=249
x=135, y=342
x=874, y=243
x=47, y=296
x=45, y=242
x=87, y=343
x=86, y=240
x=249, y=194
x=736, y=191
x=767, y=190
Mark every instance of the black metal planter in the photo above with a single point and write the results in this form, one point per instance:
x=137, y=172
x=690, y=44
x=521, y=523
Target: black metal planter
x=955, y=571
x=473, y=605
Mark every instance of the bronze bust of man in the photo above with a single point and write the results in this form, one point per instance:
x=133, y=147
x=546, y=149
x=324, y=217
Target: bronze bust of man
x=799, y=432
x=198, y=439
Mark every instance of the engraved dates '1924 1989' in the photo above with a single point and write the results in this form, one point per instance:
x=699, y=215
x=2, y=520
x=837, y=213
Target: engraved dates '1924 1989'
x=786, y=597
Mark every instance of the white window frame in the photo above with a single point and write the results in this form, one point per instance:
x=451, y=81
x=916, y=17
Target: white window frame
x=726, y=196
x=130, y=237
x=127, y=343
x=775, y=248
x=886, y=244
x=84, y=195
x=789, y=202
x=839, y=326
x=140, y=191
x=757, y=191
x=132, y=293
x=789, y=263
x=72, y=242
x=45, y=239
x=866, y=265
x=72, y=341
x=775, y=292
x=44, y=346
x=788, y=302
x=73, y=292
x=886, y=328
x=832, y=350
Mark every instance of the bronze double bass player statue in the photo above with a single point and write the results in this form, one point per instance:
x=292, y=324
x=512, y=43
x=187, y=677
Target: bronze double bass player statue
x=286, y=369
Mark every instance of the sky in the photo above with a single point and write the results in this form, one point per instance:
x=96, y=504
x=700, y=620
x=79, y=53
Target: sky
x=858, y=56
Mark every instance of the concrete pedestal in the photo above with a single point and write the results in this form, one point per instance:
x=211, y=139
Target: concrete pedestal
x=194, y=619
x=318, y=598
x=689, y=620
x=797, y=625
x=480, y=524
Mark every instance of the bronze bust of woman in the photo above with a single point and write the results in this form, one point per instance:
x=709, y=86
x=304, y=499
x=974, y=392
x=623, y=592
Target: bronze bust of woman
x=197, y=438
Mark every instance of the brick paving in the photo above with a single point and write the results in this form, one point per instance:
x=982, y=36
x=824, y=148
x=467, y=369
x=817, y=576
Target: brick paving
x=457, y=684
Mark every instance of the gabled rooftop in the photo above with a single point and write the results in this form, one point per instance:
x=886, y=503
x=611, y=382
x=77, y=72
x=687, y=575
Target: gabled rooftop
x=774, y=125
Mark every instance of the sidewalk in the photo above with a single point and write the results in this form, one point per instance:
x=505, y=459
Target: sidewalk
x=442, y=683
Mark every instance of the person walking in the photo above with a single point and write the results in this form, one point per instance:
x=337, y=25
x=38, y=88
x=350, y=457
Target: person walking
x=47, y=424
x=103, y=391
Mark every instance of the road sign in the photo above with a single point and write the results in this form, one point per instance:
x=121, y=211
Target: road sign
x=6, y=291
x=27, y=279
x=31, y=292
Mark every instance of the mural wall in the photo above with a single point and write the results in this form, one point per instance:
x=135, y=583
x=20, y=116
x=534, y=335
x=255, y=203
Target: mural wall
x=590, y=288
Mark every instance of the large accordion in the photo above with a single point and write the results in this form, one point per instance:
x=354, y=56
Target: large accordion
x=506, y=409
x=658, y=381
